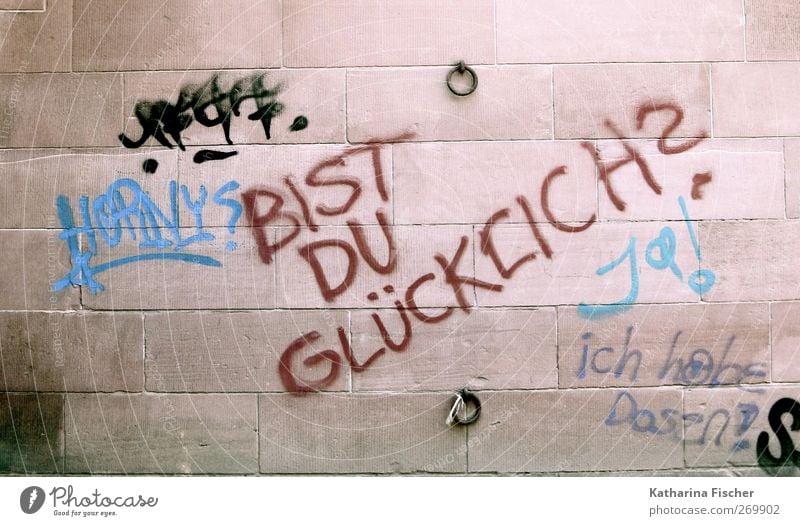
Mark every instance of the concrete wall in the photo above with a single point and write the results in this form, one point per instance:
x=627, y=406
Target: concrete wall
x=599, y=242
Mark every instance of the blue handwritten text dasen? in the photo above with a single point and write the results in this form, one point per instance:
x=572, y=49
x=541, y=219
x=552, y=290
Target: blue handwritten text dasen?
x=676, y=424
x=125, y=209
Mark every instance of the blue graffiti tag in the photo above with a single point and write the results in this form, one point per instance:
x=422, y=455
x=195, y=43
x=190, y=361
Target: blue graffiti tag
x=600, y=311
x=660, y=255
x=126, y=209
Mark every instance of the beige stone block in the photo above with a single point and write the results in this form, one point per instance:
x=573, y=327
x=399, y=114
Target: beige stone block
x=587, y=96
x=785, y=342
x=36, y=39
x=510, y=102
x=392, y=33
x=772, y=29
x=619, y=31
x=470, y=182
x=485, y=349
x=161, y=434
x=208, y=351
x=78, y=352
x=381, y=433
x=183, y=34
x=791, y=152
x=33, y=262
x=31, y=433
x=575, y=430
x=718, y=179
x=751, y=259
x=65, y=110
x=755, y=99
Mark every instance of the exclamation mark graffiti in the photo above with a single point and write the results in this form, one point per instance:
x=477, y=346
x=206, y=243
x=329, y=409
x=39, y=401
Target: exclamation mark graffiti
x=700, y=280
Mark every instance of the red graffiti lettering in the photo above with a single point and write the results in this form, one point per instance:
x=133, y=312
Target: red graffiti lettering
x=411, y=302
x=309, y=253
x=291, y=381
x=457, y=281
x=259, y=221
x=646, y=109
x=698, y=181
x=561, y=170
x=387, y=339
x=289, y=181
x=348, y=354
x=606, y=169
x=488, y=247
x=313, y=179
x=543, y=244
x=452, y=267
x=364, y=250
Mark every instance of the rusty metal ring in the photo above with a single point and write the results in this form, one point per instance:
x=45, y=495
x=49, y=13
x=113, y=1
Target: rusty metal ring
x=462, y=69
x=464, y=398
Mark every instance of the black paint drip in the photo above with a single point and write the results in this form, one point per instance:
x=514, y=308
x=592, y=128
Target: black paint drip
x=150, y=166
x=212, y=155
x=300, y=123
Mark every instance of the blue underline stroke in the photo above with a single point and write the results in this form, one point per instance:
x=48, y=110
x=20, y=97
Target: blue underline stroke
x=175, y=256
x=88, y=272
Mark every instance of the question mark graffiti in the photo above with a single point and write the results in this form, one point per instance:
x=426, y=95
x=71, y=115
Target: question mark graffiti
x=236, y=208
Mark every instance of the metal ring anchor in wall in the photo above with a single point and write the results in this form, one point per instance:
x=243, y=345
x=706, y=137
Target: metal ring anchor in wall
x=462, y=69
x=462, y=400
